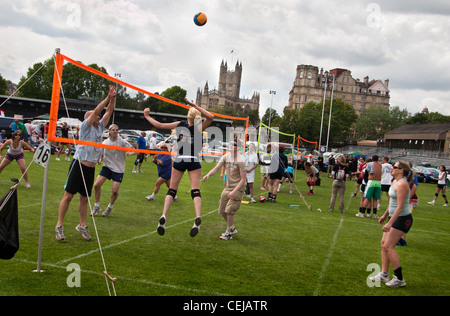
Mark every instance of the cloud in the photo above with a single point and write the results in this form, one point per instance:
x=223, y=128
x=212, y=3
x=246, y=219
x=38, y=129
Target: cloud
x=155, y=44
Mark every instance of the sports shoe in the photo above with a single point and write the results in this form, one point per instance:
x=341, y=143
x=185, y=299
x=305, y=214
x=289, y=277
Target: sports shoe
x=83, y=231
x=196, y=227
x=401, y=242
x=226, y=236
x=432, y=202
x=107, y=212
x=395, y=282
x=253, y=200
x=161, y=225
x=57, y=159
x=359, y=214
x=381, y=276
x=59, y=230
x=375, y=216
x=232, y=232
x=446, y=204
x=175, y=199
x=96, y=210
x=28, y=185
x=150, y=197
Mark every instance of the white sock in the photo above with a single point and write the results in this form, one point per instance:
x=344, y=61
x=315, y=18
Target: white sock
x=110, y=205
x=97, y=204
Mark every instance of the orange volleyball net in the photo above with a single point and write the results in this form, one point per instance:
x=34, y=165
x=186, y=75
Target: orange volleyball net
x=306, y=148
x=58, y=92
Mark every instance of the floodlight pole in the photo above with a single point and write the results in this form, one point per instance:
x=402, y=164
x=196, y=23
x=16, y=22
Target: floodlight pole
x=331, y=109
x=323, y=109
x=272, y=92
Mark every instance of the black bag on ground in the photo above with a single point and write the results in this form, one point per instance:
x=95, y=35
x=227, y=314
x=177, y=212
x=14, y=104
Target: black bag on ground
x=9, y=225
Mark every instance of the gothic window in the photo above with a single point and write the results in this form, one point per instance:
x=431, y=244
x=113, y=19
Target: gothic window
x=309, y=75
x=301, y=74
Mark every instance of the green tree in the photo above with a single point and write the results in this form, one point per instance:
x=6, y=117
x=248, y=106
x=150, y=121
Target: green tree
x=343, y=118
x=253, y=117
x=174, y=93
x=3, y=85
x=376, y=121
x=269, y=115
x=427, y=118
x=41, y=84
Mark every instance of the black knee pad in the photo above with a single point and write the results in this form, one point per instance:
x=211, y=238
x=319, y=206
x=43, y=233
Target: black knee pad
x=172, y=193
x=436, y=194
x=195, y=193
x=444, y=196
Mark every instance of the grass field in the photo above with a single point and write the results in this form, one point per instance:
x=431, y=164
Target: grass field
x=279, y=251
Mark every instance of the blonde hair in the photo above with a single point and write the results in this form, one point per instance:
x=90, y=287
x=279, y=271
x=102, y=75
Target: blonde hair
x=194, y=116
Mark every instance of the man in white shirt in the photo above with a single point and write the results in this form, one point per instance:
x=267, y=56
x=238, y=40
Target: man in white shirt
x=113, y=169
x=386, y=178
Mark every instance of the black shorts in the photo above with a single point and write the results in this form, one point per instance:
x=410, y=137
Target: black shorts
x=75, y=184
x=442, y=186
x=385, y=187
x=189, y=164
x=274, y=176
x=403, y=223
x=140, y=158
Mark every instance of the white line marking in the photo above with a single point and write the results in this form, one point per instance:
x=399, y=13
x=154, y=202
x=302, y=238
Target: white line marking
x=328, y=259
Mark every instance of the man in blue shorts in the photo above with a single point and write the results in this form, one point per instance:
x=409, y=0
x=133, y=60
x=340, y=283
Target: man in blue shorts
x=113, y=169
x=82, y=169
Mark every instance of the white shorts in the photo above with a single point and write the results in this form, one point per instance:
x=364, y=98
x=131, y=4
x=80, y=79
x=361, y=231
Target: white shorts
x=250, y=177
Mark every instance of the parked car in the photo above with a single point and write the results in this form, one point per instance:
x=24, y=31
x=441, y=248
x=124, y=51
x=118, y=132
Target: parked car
x=170, y=141
x=425, y=174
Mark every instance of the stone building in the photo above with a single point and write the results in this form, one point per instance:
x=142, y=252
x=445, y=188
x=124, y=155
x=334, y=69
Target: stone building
x=228, y=92
x=309, y=86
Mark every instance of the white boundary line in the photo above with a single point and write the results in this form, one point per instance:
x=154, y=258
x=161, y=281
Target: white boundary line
x=328, y=259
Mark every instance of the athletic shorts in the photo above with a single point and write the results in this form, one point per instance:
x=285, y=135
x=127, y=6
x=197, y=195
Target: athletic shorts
x=230, y=206
x=403, y=223
x=385, y=187
x=189, y=164
x=274, y=176
x=111, y=175
x=441, y=186
x=75, y=184
x=288, y=176
x=16, y=157
x=140, y=158
x=373, y=190
x=250, y=177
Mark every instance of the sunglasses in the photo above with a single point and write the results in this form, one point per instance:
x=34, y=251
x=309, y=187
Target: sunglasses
x=395, y=167
x=114, y=129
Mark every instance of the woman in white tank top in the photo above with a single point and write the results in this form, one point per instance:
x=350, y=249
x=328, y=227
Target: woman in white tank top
x=15, y=152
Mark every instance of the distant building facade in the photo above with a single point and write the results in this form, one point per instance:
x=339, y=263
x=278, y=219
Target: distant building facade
x=228, y=92
x=309, y=85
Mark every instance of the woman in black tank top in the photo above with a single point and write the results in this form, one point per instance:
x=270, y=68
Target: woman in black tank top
x=187, y=158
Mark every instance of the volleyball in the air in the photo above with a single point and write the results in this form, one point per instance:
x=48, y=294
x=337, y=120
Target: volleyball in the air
x=200, y=19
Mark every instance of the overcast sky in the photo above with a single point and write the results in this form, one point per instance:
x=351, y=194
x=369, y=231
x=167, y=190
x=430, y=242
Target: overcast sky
x=154, y=44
